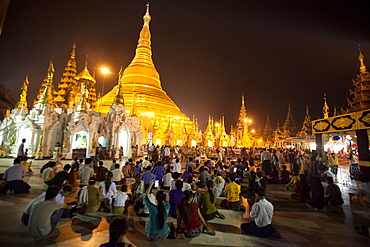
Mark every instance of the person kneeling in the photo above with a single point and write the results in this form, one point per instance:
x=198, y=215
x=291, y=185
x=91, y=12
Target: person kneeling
x=45, y=214
x=262, y=212
x=189, y=216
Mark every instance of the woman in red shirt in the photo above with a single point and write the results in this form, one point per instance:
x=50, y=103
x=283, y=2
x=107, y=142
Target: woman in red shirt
x=189, y=219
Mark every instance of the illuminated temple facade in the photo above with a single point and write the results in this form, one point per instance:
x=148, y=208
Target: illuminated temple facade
x=136, y=111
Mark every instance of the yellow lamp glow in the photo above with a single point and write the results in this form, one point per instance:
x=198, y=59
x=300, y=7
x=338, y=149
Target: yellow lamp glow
x=105, y=71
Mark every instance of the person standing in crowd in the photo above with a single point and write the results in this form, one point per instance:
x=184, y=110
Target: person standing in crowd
x=21, y=152
x=317, y=199
x=120, y=153
x=14, y=178
x=156, y=228
x=266, y=161
x=262, y=212
x=85, y=173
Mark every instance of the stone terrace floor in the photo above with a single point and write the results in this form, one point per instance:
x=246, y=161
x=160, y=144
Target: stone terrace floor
x=297, y=224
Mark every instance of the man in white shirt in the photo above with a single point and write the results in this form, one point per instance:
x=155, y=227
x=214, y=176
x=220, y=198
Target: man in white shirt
x=177, y=166
x=262, y=212
x=266, y=161
x=145, y=162
x=117, y=175
x=21, y=152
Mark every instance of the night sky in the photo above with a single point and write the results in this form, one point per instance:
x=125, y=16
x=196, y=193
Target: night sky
x=206, y=52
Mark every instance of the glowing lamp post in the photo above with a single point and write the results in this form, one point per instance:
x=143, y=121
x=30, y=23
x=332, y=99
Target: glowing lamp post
x=105, y=72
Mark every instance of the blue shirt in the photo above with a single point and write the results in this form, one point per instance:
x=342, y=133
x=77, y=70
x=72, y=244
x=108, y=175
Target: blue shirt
x=153, y=227
x=159, y=172
x=147, y=177
x=14, y=173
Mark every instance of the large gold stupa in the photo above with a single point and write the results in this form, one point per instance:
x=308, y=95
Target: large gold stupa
x=160, y=118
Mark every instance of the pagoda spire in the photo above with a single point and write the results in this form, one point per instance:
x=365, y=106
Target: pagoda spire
x=46, y=97
x=143, y=54
x=242, y=113
x=363, y=68
x=22, y=103
x=289, y=126
x=306, y=126
x=267, y=132
x=67, y=87
x=325, y=108
x=119, y=100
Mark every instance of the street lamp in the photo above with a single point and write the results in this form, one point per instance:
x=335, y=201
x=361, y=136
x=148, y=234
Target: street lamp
x=105, y=71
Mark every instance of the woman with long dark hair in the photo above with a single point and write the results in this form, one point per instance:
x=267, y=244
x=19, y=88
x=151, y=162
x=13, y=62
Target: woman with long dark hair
x=108, y=188
x=190, y=221
x=207, y=203
x=156, y=228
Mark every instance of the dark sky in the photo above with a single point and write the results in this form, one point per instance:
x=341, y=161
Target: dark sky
x=207, y=52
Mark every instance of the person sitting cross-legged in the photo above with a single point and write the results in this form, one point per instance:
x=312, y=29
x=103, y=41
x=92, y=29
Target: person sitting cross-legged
x=45, y=214
x=207, y=203
x=262, y=212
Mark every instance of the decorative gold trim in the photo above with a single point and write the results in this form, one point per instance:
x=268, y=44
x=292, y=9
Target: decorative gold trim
x=364, y=163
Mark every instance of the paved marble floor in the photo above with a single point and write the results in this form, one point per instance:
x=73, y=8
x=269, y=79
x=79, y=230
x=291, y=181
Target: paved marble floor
x=297, y=224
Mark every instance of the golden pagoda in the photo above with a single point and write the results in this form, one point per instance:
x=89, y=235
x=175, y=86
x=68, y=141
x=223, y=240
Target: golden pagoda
x=68, y=88
x=22, y=103
x=143, y=94
x=47, y=90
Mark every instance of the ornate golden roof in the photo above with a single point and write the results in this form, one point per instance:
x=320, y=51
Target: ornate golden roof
x=46, y=97
x=142, y=76
x=23, y=97
x=85, y=74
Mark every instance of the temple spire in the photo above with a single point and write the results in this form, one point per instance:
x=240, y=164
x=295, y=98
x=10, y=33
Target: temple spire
x=289, y=126
x=363, y=68
x=325, y=108
x=67, y=88
x=118, y=99
x=46, y=97
x=82, y=106
x=22, y=103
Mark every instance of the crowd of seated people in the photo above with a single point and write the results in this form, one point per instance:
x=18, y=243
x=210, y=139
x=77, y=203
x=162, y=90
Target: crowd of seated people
x=162, y=189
